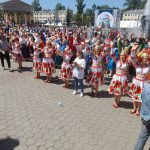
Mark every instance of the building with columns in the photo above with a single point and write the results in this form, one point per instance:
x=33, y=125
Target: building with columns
x=51, y=16
x=16, y=11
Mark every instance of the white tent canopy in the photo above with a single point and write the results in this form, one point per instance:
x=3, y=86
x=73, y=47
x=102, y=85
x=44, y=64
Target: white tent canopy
x=47, y=24
x=53, y=24
x=130, y=24
x=59, y=24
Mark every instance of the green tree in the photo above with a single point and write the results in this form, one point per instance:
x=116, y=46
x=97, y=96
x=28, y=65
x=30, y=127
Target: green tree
x=89, y=12
x=59, y=6
x=94, y=7
x=134, y=4
x=103, y=7
x=68, y=17
x=89, y=16
x=36, y=5
x=80, y=6
x=143, y=4
x=77, y=18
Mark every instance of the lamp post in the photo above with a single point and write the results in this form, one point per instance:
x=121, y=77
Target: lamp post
x=82, y=19
x=138, y=7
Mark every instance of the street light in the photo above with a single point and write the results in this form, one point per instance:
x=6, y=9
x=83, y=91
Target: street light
x=138, y=8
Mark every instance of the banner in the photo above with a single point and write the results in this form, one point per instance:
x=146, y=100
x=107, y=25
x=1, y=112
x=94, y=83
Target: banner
x=107, y=18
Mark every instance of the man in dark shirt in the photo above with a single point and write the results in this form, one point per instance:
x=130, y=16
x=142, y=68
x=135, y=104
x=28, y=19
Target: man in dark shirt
x=4, y=52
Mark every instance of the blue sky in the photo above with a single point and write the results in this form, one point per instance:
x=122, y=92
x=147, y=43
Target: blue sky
x=71, y=3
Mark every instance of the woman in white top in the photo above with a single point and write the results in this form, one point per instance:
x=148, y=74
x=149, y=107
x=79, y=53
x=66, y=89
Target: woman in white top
x=78, y=72
x=138, y=83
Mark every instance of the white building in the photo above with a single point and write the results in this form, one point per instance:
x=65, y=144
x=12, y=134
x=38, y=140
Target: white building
x=131, y=19
x=43, y=16
x=50, y=16
x=133, y=15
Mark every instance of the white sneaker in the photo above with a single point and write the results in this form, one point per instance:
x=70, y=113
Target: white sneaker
x=10, y=70
x=74, y=92
x=81, y=94
x=3, y=68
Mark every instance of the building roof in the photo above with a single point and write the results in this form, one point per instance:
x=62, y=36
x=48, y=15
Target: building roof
x=134, y=12
x=16, y=5
x=15, y=2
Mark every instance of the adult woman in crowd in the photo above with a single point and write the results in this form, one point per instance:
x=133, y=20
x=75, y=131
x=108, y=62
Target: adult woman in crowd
x=138, y=83
x=119, y=84
x=78, y=72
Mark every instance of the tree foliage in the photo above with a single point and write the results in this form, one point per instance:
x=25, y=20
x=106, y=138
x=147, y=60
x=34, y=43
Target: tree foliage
x=89, y=16
x=143, y=4
x=59, y=6
x=134, y=4
x=103, y=7
x=94, y=7
x=36, y=5
x=80, y=6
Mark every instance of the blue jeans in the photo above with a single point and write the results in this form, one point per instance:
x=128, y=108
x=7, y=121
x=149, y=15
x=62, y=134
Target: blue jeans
x=80, y=81
x=143, y=137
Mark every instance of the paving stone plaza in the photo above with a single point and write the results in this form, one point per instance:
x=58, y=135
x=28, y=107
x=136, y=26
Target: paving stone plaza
x=39, y=116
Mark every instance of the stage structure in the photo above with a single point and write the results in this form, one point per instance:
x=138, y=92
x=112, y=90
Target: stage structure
x=109, y=18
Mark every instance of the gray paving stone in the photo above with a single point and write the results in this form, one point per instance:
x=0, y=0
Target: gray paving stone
x=29, y=112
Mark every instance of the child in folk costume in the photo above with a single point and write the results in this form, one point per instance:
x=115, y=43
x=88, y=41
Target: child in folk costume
x=36, y=56
x=87, y=50
x=138, y=83
x=119, y=84
x=37, y=61
x=96, y=70
x=110, y=61
x=48, y=66
x=17, y=54
x=66, y=68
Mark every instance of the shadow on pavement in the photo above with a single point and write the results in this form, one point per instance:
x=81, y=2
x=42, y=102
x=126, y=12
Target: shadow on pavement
x=101, y=94
x=126, y=105
x=104, y=94
x=24, y=69
x=8, y=144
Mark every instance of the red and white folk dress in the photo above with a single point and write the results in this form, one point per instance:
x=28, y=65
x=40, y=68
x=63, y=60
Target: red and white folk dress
x=36, y=60
x=66, y=68
x=48, y=66
x=17, y=53
x=119, y=83
x=138, y=83
x=95, y=75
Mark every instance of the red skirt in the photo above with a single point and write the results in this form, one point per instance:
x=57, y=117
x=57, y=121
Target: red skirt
x=66, y=73
x=48, y=68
